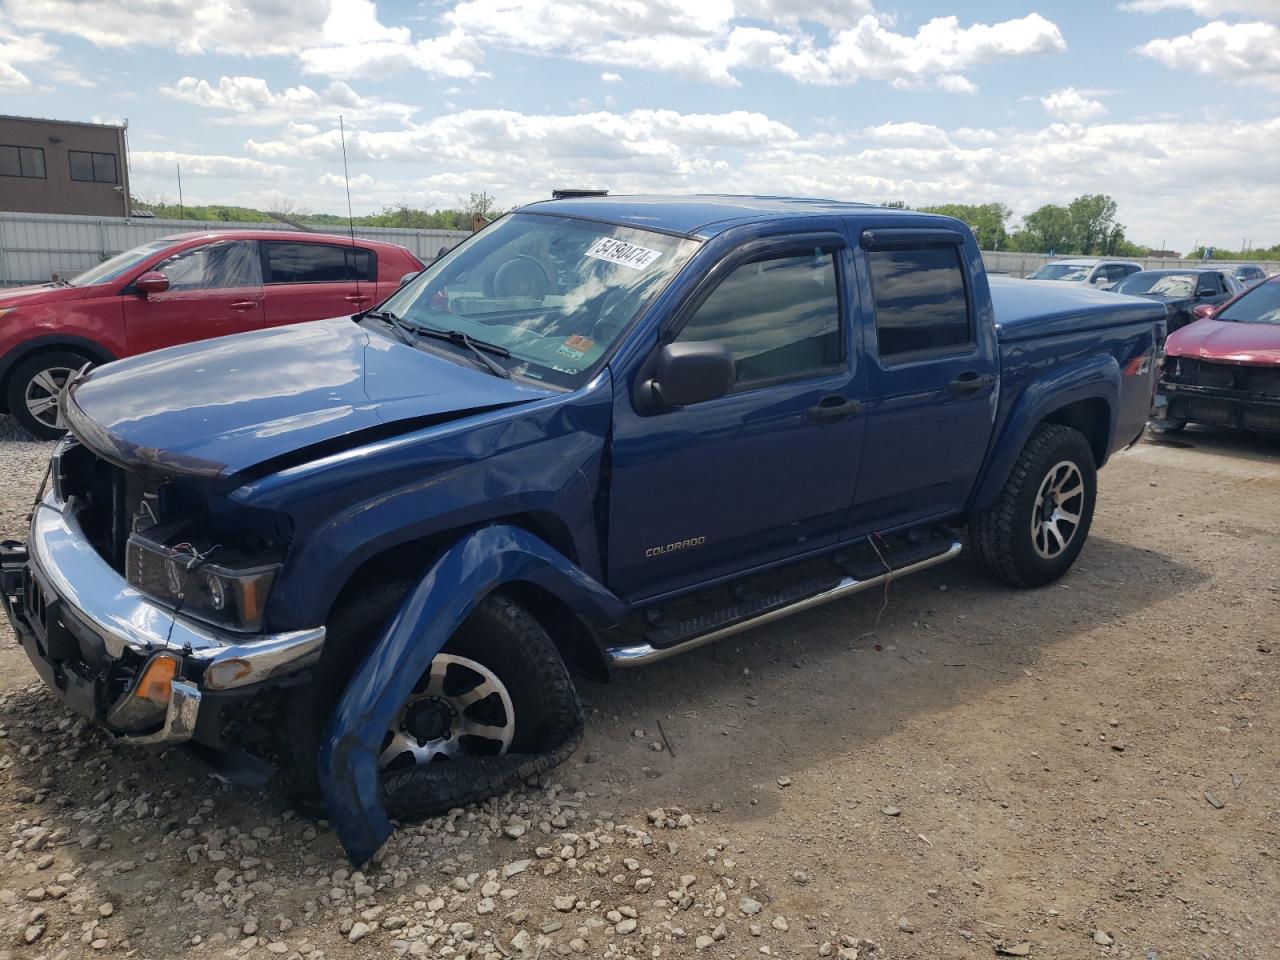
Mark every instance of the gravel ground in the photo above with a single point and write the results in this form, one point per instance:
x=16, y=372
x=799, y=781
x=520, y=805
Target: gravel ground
x=1088, y=770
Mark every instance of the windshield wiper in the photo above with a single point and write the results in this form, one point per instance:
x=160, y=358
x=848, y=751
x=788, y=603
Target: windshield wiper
x=396, y=324
x=478, y=348
x=412, y=334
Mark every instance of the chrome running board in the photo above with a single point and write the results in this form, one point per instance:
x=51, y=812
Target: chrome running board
x=639, y=654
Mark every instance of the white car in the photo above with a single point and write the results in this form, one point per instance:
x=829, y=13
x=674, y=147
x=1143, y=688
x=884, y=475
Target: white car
x=1090, y=270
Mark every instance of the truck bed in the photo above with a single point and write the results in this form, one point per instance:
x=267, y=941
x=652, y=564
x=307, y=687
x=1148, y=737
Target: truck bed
x=1029, y=309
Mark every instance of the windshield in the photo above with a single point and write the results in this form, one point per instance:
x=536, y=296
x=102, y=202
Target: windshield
x=1175, y=286
x=554, y=291
x=1062, y=271
x=1260, y=305
x=118, y=265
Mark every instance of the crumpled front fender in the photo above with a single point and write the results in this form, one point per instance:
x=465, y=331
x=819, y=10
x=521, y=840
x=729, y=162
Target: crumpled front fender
x=445, y=596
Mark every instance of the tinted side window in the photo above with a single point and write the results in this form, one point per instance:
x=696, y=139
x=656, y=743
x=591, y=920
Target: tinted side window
x=920, y=300
x=779, y=318
x=215, y=265
x=318, y=263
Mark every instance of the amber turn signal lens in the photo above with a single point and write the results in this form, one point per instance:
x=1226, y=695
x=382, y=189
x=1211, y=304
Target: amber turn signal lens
x=156, y=678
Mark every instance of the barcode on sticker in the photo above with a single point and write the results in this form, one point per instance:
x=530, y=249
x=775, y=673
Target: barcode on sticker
x=622, y=253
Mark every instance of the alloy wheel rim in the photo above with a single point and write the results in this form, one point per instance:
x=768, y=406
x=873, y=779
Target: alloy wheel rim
x=42, y=393
x=458, y=708
x=1055, y=518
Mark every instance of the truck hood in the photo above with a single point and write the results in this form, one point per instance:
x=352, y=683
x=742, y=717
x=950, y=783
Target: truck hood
x=1228, y=341
x=218, y=408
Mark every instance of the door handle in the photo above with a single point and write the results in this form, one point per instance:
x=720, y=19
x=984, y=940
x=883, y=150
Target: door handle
x=832, y=408
x=243, y=305
x=970, y=382
x=356, y=298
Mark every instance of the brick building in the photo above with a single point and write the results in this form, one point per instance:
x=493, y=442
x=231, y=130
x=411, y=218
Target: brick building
x=60, y=166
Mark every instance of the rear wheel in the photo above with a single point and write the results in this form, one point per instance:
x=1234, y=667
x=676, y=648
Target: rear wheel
x=34, y=388
x=1036, y=528
x=495, y=707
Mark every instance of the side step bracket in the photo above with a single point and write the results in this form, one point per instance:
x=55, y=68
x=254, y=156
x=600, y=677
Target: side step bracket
x=668, y=638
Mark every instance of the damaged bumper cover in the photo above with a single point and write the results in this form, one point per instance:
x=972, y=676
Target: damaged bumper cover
x=91, y=637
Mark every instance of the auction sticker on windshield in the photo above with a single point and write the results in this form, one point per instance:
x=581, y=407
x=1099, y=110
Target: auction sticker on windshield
x=624, y=254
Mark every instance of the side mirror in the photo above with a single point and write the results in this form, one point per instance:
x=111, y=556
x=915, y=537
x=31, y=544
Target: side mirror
x=1204, y=310
x=153, y=281
x=1206, y=292
x=690, y=373
x=408, y=276
x=1101, y=281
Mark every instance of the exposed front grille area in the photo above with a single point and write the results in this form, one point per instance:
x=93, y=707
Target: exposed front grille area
x=106, y=496
x=1224, y=376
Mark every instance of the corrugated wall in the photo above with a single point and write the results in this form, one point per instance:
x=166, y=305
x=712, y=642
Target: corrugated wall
x=1021, y=264
x=36, y=247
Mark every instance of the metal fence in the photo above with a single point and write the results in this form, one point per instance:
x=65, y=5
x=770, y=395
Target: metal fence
x=34, y=248
x=1021, y=264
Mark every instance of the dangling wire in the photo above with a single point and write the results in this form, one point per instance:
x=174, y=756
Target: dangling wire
x=193, y=559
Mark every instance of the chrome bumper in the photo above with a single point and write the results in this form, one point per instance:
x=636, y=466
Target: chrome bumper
x=67, y=569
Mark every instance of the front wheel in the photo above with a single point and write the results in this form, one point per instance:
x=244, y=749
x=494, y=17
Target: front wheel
x=495, y=707
x=34, y=388
x=1037, y=526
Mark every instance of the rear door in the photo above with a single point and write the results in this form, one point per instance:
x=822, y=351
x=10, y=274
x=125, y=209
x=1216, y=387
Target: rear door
x=315, y=281
x=215, y=289
x=932, y=377
x=716, y=488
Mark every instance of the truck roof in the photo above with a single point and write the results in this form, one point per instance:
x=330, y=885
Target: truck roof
x=704, y=215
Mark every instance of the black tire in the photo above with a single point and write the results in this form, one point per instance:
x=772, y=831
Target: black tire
x=1160, y=427
x=23, y=377
x=1003, y=536
x=501, y=635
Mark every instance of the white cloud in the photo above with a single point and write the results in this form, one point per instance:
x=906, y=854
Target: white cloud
x=249, y=100
x=1242, y=53
x=711, y=41
x=611, y=77
x=1207, y=8
x=17, y=48
x=1071, y=104
x=165, y=162
x=338, y=38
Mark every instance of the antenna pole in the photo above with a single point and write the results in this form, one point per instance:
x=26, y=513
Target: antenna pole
x=351, y=223
x=181, y=213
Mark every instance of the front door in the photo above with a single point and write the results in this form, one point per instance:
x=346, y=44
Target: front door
x=932, y=379
x=215, y=290
x=716, y=488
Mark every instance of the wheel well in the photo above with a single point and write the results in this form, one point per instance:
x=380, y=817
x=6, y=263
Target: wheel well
x=565, y=628
x=1092, y=418
x=407, y=561
x=26, y=352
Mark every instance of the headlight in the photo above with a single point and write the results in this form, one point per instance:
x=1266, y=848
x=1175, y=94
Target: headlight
x=231, y=596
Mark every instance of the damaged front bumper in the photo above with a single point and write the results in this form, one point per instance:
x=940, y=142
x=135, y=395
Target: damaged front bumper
x=93, y=639
x=1224, y=406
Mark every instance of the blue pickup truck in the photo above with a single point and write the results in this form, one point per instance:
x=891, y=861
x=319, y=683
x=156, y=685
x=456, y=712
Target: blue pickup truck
x=600, y=432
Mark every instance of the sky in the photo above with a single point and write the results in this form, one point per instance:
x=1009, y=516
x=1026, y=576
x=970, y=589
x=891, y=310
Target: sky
x=1170, y=106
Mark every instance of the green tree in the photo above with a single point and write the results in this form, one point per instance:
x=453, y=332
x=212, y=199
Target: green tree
x=987, y=220
x=1048, y=229
x=1093, y=223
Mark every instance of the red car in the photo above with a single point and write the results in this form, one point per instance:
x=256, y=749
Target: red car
x=191, y=286
x=1225, y=367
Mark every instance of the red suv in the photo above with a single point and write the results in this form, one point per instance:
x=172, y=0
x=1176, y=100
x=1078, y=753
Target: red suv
x=186, y=287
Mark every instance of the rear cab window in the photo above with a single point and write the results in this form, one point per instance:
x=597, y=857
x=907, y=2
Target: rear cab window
x=302, y=262
x=921, y=302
